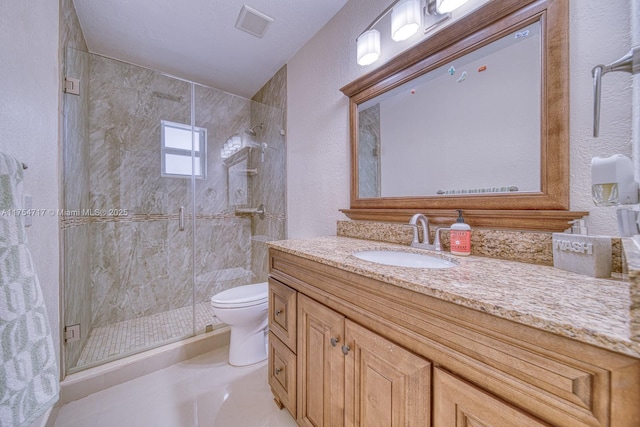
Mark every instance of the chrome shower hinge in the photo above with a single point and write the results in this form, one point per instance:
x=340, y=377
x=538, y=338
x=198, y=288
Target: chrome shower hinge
x=72, y=333
x=72, y=86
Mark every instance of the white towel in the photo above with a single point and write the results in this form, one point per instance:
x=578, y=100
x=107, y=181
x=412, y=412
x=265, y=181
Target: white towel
x=29, y=382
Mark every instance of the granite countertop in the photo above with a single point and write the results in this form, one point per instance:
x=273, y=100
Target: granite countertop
x=594, y=311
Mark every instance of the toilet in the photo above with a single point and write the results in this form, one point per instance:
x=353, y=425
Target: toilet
x=244, y=309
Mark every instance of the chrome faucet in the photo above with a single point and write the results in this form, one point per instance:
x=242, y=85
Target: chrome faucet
x=424, y=222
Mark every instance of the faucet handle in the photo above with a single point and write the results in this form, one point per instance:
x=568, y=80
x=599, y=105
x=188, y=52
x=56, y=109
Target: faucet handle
x=436, y=243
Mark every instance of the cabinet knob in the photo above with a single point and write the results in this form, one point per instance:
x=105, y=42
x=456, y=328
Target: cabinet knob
x=335, y=341
x=278, y=370
x=345, y=349
x=278, y=312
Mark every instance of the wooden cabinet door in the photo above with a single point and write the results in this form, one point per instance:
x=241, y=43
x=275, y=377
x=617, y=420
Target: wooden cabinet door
x=320, y=365
x=282, y=373
x=282, y=313
x=457, y=403
x=386, y=386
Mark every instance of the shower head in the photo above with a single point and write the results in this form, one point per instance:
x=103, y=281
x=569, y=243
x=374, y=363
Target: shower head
x=252, y=131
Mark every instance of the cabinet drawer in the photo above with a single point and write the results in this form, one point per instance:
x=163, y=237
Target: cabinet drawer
x=574, y=387
x=456, y=402
x=282, y=313
x=282, y=373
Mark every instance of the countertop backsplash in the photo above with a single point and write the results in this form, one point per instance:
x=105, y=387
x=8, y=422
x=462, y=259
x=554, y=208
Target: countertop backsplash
x=632, y=262
x=533, y=247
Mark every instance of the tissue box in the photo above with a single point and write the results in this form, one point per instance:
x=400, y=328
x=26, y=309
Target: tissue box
x=588, y=255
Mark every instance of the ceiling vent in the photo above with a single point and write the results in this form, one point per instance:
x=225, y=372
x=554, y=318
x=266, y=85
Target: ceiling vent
x=253, y=21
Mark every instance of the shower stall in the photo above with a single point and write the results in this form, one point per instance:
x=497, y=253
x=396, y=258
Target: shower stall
x=158, y=215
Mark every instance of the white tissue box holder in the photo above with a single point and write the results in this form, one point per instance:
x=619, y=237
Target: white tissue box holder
x=583, y=254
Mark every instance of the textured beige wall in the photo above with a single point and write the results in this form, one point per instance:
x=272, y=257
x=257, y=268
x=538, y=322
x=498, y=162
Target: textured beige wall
x=29, y=84
x=318, y=133
x=600, y=33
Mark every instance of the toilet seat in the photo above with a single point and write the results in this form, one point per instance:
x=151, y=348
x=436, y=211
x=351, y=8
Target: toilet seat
x=242, y=296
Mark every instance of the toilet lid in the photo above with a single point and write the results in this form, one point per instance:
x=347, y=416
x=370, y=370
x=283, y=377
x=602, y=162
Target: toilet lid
x=246, y=295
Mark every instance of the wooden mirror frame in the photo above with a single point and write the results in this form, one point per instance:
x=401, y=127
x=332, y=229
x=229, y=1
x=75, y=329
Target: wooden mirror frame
x=546, y=210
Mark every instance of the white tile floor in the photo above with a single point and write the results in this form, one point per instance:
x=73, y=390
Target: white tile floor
x=201, y=392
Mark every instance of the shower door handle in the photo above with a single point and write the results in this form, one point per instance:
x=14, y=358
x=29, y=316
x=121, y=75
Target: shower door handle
x=181, y=219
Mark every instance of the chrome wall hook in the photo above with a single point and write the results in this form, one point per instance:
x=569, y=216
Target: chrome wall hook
x=629, y=63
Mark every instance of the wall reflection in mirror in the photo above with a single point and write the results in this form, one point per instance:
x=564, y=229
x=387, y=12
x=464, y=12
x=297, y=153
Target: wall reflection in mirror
x=470, y=126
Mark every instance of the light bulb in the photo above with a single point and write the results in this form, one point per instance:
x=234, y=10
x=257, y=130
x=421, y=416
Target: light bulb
x=368, y=47
x=446, y=6
x=405, y=19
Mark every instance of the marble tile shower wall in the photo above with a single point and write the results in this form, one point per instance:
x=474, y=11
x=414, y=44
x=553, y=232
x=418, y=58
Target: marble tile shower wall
x=222, y=249
x=269, y=183
x=141, y=263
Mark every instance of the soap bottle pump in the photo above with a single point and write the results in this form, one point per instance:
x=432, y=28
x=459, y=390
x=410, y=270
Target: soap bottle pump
x=578, y=227
x=460, y=236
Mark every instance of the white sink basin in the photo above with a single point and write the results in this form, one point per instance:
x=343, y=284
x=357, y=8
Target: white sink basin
x=403, y=259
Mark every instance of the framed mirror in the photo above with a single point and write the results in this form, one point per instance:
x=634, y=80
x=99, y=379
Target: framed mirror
x=475, y=117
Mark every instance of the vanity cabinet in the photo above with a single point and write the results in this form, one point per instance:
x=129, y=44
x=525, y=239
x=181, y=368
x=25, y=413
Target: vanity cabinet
x=282, y=365
x=402, y=353
x=350, y=376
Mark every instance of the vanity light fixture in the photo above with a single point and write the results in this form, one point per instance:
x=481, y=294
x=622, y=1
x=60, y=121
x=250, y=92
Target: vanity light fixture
x=447, y=6
x=368, y=47
x=438, y=11
x=406, y=17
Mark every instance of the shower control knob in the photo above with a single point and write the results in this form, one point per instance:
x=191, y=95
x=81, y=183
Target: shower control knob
x=335, y=341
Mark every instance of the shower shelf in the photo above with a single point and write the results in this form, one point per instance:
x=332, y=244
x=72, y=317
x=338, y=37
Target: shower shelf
x=259, y=211
x=247, y=172
x=236, y=157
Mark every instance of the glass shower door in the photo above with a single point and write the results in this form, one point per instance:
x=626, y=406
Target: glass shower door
x=131, y=155
x=240, y=206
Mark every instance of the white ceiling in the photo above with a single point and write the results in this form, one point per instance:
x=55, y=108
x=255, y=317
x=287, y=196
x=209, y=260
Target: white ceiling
x=197, y=39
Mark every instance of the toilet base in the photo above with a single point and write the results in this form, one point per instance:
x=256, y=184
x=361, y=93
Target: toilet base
x=246, y=346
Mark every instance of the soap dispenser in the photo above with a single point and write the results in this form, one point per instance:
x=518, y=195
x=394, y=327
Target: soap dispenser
x=578, y=226
x=460, y=236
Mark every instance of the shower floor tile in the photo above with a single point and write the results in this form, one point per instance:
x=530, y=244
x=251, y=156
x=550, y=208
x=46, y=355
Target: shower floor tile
x=123, y=338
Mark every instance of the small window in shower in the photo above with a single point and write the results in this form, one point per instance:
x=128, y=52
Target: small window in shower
x=176, y=150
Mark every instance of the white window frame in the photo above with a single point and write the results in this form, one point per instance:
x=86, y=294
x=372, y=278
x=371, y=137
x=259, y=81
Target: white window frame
x=200, y=154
